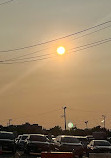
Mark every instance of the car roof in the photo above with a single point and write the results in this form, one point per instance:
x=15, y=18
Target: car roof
x=25, y=135
x=100, y=140
x=6, y=132
x=37, y=135
x=68, y=136
x=83, y=137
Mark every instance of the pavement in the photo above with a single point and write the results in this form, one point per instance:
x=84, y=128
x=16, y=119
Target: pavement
x=20, y=154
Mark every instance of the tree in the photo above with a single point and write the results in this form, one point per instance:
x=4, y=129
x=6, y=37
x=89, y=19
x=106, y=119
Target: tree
x=57, y=130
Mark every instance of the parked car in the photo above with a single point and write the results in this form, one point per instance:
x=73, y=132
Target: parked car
x=109, y=139
x=7, y=141
x=99, y=135
x=90, y=138
x=68, y=144
x=98, y=146
x=21, y=141
x=84, y=141
x=36, y=143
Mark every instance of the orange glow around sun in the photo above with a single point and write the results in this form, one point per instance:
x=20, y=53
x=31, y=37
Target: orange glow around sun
x=61, y=50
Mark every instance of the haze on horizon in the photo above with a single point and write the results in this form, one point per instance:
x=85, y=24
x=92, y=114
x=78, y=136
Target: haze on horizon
x=35, y=92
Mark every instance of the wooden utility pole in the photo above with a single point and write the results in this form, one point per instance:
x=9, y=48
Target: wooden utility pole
x=64, y=117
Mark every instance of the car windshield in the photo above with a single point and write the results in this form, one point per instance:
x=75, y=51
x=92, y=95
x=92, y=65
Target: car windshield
x=101, y=143
x=70, y=140
x=6, y=136
x=24, y=137
x=82, y=139
x=38, y=138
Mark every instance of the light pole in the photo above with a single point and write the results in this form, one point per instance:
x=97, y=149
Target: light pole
x=65, y=116
x=86, y=122
x=104, y=120
x=9, y=121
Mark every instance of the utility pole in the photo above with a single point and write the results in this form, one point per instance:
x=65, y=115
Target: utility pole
x=104, y=120
x=86, y=122
x=65, y=116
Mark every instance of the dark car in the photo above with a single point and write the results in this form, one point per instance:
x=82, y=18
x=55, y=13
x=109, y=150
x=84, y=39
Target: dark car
x=98, y=146
x=68, y=144
x=90, y=138
x=36, y=143
x=84, y=141
x=7, y=141
x=21, y=141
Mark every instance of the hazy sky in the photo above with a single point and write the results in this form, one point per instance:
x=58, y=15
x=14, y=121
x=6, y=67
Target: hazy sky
x=36, y=91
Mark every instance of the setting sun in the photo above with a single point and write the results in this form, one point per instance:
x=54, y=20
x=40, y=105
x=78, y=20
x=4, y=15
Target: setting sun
x=61, y=50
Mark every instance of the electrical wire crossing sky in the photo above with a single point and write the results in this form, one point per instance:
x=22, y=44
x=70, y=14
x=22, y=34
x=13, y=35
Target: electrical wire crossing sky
x=35, y=81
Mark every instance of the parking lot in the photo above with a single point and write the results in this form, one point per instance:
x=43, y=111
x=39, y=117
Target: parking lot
x=20, y=154
x=31, y=145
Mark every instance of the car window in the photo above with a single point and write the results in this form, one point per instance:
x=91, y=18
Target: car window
x=38, y=138
x=24, y=137
x=70, y=140
x=6, y=136
x=82, y=139
x=101, y=143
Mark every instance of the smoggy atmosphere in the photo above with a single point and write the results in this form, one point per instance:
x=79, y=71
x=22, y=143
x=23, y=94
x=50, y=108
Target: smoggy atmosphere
x=36, y=81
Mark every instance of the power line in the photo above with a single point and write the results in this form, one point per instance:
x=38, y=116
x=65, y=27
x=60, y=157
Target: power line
x=82, y=110
x=38, y=56
x=19, y=57
x=92, y=32
x=48, y=112
x=93, y=43
x=97, y=42
x=1, y=62
x=83, y=47
x=6, y=2
x=39, y=114
x=53, y=40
